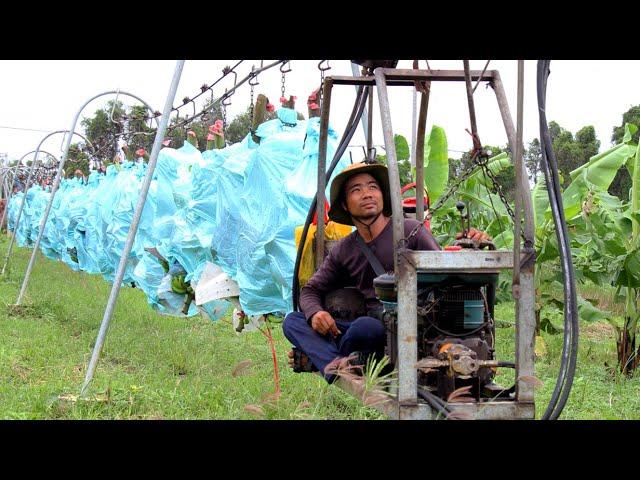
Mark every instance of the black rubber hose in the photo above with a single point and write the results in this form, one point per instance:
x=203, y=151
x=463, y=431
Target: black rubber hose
x=436, y=402
x=571, y=310
x=350, y=129
x=570, y=344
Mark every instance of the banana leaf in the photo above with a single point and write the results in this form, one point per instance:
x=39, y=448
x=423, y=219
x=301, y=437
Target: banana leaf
x=540, y=201
x=601, y=169
x=436, y=163
x=495, y=164
x=504, y=240
x=402, y=147
x=573, y=196
x=629, y=274
x=588, y=312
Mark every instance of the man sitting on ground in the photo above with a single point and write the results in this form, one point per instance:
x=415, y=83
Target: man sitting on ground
x=360, y=196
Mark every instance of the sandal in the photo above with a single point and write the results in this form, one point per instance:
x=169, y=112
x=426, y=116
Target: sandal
x=301, y=362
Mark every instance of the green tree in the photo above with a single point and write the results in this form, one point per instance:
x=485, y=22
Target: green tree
x=532, y=158
x=630, y=116
x=138, y=131
x=78, y=159
x=621, y=184
x=404, y=159
x=103, y=128
x=588, y=142
x=572, y=152
x=554, y=130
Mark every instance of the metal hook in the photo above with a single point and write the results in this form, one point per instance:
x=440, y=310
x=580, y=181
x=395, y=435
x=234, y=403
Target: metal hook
x=285, y=62
x=115, y=102
x=253, y=81
x=177, y=117
x=226, y=71
x=328, y=67
x=225, y=98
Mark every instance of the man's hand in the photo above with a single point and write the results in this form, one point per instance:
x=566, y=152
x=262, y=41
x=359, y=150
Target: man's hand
x=477, y=236
x=323, y=323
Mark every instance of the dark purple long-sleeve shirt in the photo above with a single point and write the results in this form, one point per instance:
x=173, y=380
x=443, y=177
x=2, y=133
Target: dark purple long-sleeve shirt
x=346, y=266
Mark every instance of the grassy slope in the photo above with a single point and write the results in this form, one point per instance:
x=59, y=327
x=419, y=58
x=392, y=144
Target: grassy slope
x=154, y=366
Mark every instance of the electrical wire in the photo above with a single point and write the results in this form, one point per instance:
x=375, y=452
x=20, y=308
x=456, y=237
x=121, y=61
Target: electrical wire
x=434, y=401
x=570, y=342
x=352, y=124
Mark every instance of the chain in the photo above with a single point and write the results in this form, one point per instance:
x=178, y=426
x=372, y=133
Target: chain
x=498, y=189
x=282, y=81
x=251, y=109
x=251, y=104
x=322, y=70
x=413, y=233
x=502, y=196
x=223, y=112
x=464, y=176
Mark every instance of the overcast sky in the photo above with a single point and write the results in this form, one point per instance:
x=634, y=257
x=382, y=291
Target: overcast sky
x=45, y=95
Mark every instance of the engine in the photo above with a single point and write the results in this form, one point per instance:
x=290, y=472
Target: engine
x=456, y=331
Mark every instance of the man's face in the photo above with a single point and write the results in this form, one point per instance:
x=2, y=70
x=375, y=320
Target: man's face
x=363, y=197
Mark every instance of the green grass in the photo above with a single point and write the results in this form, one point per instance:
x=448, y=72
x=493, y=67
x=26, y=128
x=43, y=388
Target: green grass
x=151, y=367
x=159, y=367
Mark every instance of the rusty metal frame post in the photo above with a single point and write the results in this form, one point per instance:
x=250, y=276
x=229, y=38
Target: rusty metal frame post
x=524, y=292
x=407, y=263
x=525, y=316
x=322, y=168
x=419, y=153
x=406, y=273
x=503, y=106
x=365, y=120
x=414, y=123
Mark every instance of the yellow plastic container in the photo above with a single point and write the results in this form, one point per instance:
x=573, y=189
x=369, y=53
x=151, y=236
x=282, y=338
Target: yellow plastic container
x=332, y=231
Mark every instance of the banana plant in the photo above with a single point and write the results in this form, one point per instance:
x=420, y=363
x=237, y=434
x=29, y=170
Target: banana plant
x=604, y=231
x=488, y=212
x=604, y=236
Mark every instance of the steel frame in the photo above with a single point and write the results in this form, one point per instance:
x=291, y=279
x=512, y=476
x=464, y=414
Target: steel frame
x=408, y=263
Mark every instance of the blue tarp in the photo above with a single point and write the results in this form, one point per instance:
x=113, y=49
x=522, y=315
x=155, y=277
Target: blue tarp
x=236, y=207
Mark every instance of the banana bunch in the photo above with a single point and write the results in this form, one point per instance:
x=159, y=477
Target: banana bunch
x=178, y=285
x=73, y=253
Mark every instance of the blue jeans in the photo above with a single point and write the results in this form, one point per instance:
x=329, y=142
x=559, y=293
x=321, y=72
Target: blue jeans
x=364, y=334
